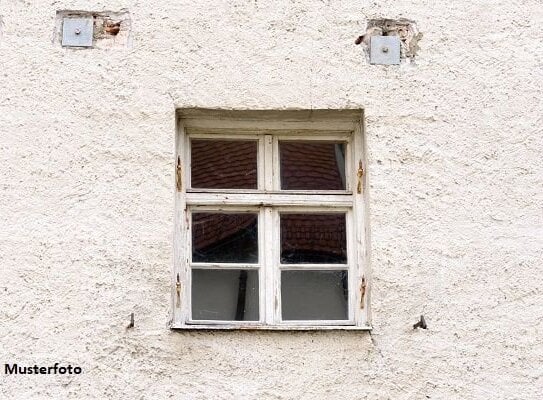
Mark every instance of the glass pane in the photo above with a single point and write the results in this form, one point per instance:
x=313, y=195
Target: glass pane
x=312, y=165
x=227, y=295
x=228, y=238
x=224, y=164
x=310, y=295
x=313, y=239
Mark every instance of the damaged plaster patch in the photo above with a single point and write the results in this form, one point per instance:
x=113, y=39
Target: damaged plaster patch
x=111, y=29
x=406, y=30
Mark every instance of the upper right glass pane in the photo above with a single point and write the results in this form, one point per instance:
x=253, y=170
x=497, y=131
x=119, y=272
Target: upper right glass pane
x=312, y=165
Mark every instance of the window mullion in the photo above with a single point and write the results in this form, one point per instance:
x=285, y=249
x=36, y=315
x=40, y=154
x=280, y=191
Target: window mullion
x=268, y=262
x=276, y=167
x=268, y=266
x=268, y=163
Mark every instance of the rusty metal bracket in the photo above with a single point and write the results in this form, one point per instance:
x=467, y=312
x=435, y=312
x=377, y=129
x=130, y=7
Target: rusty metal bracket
x=178, y=291
x=178, y=175
x=362, y=292
x=360, y=174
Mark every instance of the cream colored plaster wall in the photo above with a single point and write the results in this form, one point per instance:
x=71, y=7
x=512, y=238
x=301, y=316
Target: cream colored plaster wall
x=86, y=198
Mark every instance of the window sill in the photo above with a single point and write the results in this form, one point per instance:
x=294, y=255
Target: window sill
x=270, y=328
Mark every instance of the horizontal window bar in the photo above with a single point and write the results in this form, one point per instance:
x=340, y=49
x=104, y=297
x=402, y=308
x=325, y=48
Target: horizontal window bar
x=270, y=199
x=273, y=192
x=317, y=322
x=240, y=126
x=223, y=266
x=211, y=322
x=208, y=134
x=297, y=267
x=257, y=326
x=283, y=134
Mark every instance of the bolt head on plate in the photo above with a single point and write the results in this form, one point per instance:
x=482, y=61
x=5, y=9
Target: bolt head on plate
x=77, y=32
x=385, y=50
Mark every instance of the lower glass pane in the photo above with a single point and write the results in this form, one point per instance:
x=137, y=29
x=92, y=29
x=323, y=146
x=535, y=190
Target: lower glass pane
x=225, y=295
x=314, y=295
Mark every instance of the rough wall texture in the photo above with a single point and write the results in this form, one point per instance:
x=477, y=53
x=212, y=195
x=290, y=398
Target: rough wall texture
x=86, y=200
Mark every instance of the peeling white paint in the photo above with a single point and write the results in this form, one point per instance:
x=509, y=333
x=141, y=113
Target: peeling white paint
x=455, y=172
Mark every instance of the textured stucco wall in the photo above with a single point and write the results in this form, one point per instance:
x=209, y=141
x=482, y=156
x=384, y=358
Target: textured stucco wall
x=86, y=199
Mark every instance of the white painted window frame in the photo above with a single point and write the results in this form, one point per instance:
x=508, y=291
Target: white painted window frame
x=268, y=201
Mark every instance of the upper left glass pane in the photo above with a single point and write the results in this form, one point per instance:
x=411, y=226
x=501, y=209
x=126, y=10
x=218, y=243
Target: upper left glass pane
x=224, y=164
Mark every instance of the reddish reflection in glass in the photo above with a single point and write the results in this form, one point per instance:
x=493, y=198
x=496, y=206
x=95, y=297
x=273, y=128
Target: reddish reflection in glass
x=312, y=165
x=313, y=239
x=223, y=164
x=221, y=237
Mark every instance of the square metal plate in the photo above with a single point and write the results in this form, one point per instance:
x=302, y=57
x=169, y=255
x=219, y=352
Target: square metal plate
x=385, y=50
x=77, y=32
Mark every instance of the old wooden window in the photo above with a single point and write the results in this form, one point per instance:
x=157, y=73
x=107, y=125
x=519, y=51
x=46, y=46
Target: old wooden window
x=270, y=227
